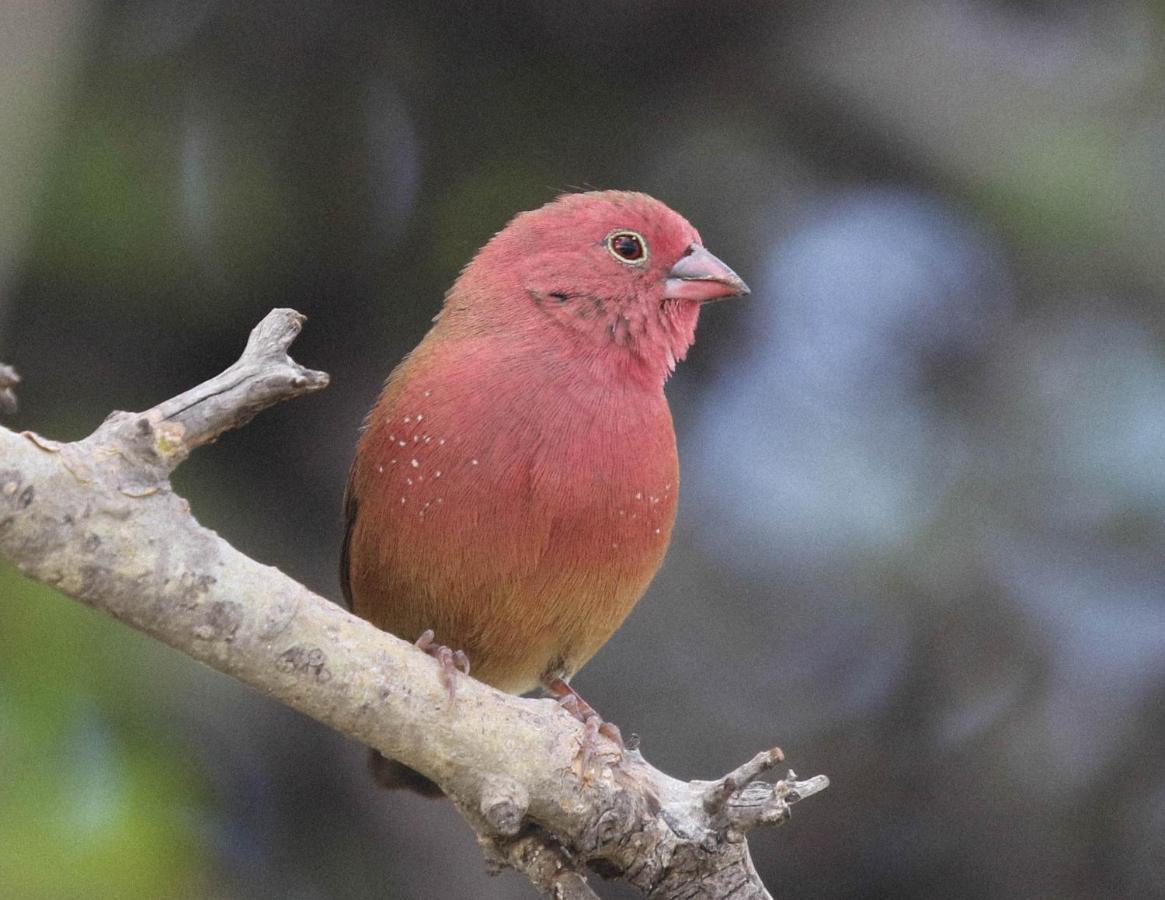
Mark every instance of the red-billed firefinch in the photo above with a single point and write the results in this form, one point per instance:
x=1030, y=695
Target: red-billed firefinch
x=515, y=485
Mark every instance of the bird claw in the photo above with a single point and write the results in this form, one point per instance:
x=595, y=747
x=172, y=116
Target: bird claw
x=589, y=742
x=593, y=723
x=451, y=661
x=585, y=713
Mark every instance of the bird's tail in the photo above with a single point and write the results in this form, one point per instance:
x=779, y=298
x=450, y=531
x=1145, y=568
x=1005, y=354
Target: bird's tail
x=397, y=776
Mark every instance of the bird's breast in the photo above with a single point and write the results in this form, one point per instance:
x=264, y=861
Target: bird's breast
x=514, y=509
x=522, y=470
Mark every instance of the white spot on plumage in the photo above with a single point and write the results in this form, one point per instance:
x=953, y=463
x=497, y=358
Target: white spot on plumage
x=414, y=462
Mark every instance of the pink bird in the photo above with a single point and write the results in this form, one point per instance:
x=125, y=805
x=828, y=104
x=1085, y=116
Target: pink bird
x=514, y=488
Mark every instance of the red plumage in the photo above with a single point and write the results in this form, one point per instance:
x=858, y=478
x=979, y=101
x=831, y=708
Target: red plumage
x=515, y=485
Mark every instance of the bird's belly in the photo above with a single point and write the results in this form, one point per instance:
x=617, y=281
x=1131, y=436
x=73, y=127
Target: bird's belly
x=525, y=558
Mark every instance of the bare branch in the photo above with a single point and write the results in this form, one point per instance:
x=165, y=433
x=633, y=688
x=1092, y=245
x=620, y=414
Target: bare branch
x=158, y=439
x=546, y=864
x=718, y=792
x=263, y=376
x=8, y=380
x=98, y=520
x=504, y=803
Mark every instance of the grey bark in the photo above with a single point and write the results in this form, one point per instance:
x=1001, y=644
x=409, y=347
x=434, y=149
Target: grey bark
x=98, y=520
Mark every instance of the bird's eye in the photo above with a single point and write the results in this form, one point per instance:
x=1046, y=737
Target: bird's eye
x=627, y=246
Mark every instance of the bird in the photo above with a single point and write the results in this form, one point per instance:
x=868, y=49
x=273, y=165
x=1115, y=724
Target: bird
x=514, y=487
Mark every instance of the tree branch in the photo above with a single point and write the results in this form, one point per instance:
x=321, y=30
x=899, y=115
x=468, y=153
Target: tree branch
x=8, y=380
x=98, y=520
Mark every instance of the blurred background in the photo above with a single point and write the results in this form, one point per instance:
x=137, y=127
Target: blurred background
x=920, y=539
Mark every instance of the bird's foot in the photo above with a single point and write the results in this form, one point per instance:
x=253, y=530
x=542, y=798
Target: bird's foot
x=451, y=660
x=593, y=723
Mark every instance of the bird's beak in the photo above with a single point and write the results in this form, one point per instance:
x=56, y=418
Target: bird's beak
x=701, y=276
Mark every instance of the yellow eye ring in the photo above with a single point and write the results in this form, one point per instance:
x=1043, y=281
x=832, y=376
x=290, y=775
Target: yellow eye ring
x=627, y=246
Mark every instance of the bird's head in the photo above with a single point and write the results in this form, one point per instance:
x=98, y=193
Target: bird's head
x=615, y=275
